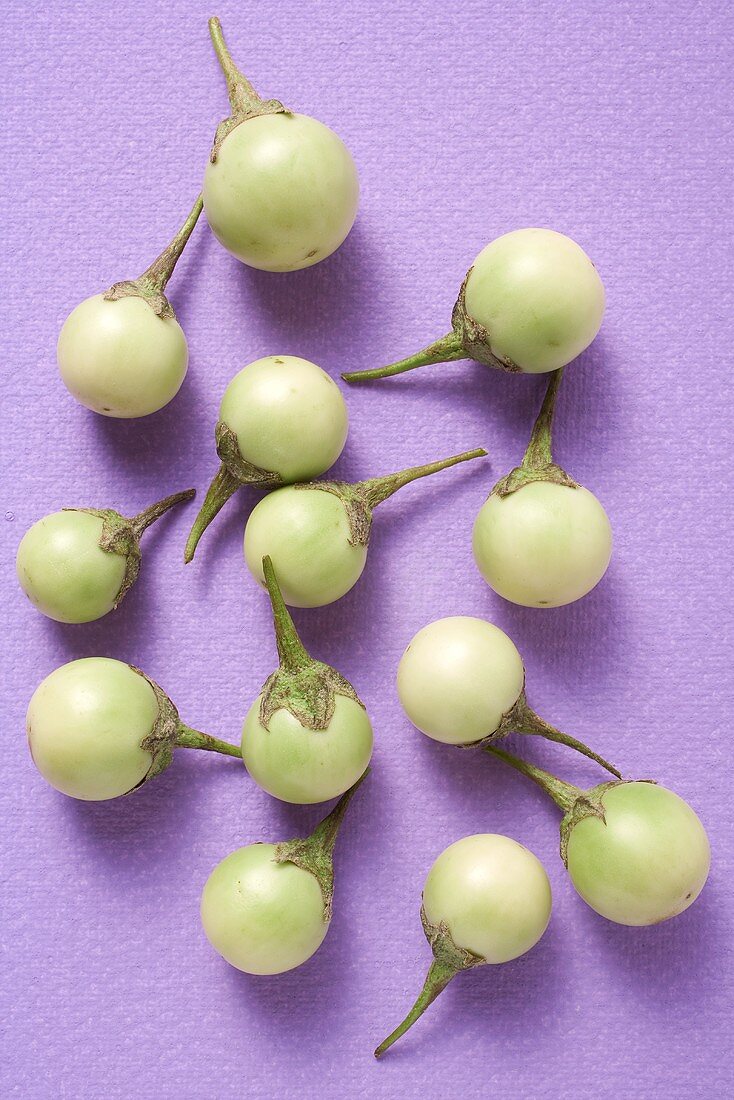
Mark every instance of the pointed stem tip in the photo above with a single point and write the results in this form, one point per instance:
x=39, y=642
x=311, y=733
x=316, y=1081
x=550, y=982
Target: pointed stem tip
x=155, y=278
x=378, y=489
x=242, y=96
x=291, y=650
x=223, y=486
x=149, y=515
x=325, y=834
x=528, y=722
x=438, y=977
x=445, y=350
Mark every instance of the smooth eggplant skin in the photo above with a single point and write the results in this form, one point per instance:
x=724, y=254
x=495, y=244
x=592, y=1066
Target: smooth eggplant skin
x=288, y=415
x=263, y=917
x=458, y=677
x=539, y=297
x=646, y=862
x=545, y=545
x=492, y=894
x=301, y=765
x=85, y=724
x=282, y=193
x=119, y=359
x=63, y=570
x=306, y=534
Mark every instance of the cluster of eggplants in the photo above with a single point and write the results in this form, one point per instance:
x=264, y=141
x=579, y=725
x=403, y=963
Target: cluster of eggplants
x=282, y=420
x=635, y=852
x=280, y=193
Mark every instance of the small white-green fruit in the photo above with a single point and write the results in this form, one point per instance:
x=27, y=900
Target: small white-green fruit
x=262, y=916
x=458, y=677
x=288, y=415
x=301, y=765
x=119, y=359
x=85, y=724
x=544, y=545
x=492, y=894
x=283, y=192
x=646, y=861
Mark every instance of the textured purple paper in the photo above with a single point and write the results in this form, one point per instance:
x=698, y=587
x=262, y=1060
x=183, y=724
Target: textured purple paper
x=605, y=120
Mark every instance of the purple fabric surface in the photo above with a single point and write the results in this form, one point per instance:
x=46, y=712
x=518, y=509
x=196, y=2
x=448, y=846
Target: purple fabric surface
x=605, y=120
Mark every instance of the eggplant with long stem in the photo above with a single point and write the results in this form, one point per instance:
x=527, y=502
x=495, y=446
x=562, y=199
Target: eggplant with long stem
x=123, y=353
x=99, y=728
x=280, y=189
x=461, y=681
x=635, y=851
x=307, y=737
x=78, y=564
x=266, y=908
x=486, y=900
x=541, y=539
x=530, y=303
x=317, y=533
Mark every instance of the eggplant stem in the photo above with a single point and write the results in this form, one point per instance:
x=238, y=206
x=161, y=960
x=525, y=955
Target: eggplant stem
x=528, y=722
x=188, y=738
x=224, y=485
x=291, y=650
x=438, y=977
x=149, y=515
x=565, y=795
x=377, y=489
x=538, y=453
x=155, y=278
x=445, y=350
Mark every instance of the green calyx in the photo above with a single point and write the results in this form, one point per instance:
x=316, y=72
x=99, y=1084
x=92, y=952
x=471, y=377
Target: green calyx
x=448, y=960
x=537, y=463
x=161, y=740
x=243, y=99
x=121, y=535
x=521, y=718
x=445, y=951
x=587, y=804
x=150, y=286
x=576, y=803
x=302, y=686
x=467, y=340
x=244, y=472
x=474, y=338
x=169, y=732
x=315, y=853
x=234, y=472
x=362, y=497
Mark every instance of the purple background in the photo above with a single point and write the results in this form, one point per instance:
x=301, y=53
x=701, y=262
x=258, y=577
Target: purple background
x=603, y=120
